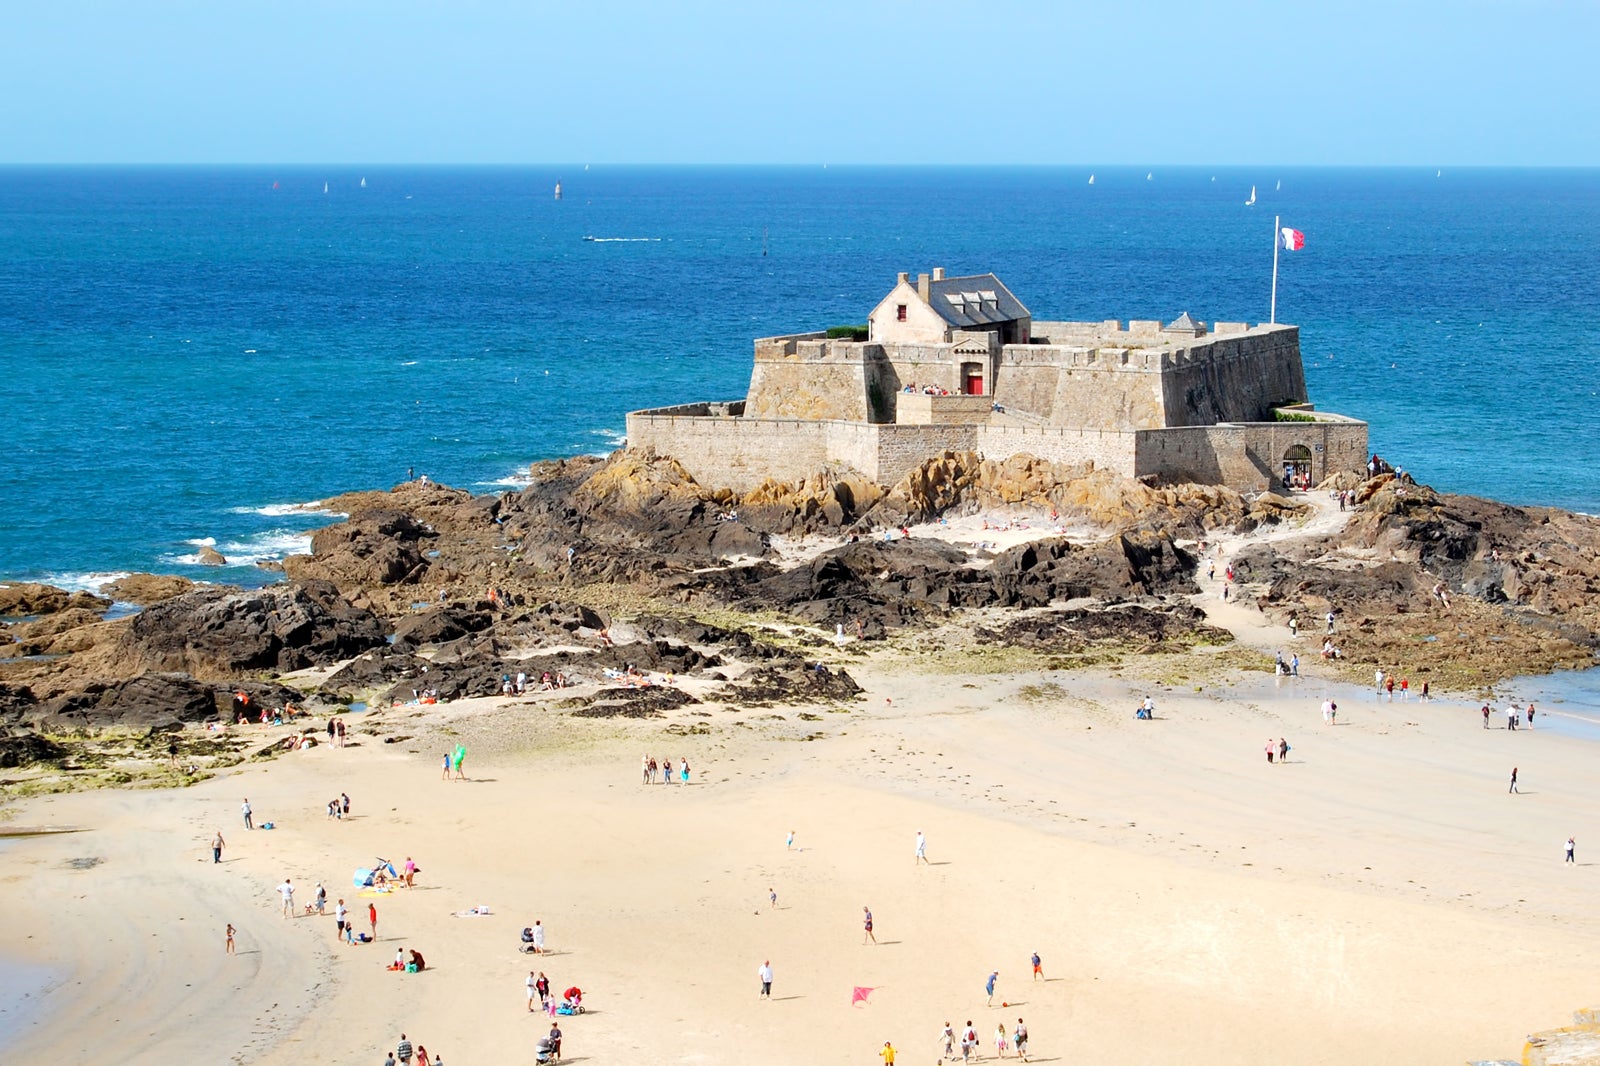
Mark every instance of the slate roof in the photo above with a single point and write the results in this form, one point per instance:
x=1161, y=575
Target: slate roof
x=974, y=302
x=1184, y=324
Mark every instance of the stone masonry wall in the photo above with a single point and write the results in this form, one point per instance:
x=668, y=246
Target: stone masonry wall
x=1106, y=450
x=1248, y=457
x=1233, y=379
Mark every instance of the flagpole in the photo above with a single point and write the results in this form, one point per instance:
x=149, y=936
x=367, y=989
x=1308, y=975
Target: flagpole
x=1277, y=220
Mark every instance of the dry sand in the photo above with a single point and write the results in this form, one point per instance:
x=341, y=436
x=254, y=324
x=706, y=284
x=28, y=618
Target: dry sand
x=1380, y=898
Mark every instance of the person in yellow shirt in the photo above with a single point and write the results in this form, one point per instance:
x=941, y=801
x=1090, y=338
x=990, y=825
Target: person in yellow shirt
x=887, y=1054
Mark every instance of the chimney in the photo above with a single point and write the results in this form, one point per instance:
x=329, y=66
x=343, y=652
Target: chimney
x=900, y=278
x=938, y=273
x=922, y=287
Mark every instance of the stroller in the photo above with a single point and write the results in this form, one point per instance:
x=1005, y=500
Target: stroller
x=544, y=1051
x=527, y=947
x=571, y=1001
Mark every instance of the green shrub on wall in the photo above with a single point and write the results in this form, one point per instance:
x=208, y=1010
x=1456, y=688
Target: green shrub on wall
x=847, y=333
x=1290, y=416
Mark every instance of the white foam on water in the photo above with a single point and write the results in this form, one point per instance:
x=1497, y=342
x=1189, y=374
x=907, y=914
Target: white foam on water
x=202, y=542
x=283, y=510
x=623, y=240
x=615, y=436
x=270, y=544
x=83, y=582
x=511, y=481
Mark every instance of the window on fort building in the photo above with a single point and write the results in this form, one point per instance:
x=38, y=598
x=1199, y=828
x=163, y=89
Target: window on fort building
x=900, y=313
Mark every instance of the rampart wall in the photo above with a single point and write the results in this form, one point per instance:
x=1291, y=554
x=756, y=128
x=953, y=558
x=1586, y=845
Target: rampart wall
x=1249, y=457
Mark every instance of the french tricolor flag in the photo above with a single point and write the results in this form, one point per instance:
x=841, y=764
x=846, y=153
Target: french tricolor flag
x=1291, y=240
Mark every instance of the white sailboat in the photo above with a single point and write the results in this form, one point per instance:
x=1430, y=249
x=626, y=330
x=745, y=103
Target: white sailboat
x=1252, y=201
x=363, y=183
x=1091, y=179
x=324, y=187
x=1150, y=176
x=1278, y=187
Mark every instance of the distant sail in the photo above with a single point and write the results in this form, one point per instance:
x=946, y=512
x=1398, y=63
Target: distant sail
x=1278, y=187
x=1252, y=201
x=1091, y=179
x=558, y=190
x=363, y=183
x=324, y=186
x=1150, y=176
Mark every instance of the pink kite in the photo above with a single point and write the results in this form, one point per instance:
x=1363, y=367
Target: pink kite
x=859, y=995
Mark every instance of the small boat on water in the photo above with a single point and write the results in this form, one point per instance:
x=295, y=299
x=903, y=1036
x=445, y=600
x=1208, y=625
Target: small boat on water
x=1151, y=176
x=363, y=183
x=1278, y=187
x=1091, y=179
x=1252, y=201
x=324, y=187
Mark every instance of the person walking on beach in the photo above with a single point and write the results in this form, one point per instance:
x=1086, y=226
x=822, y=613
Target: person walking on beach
x=230, y=950
x=644, y=769
x=555, y=1041
x=286, y=890
x=340, y=724
x=1283, y=750
x=922, y=850
x=1530, y=716
x=969, y=1041
x=1572, y=847
x=533, y=990
x=788, y=845
x=1271, y=749
x=988, y=986
x=1019, y=1040
x=372, y=919
x=1486, y=716
x=1330, y=623
x=341, y=918
x=217, y=844
x=320, y=900
x=538, y=937
x=772, y=897
x=764, y=975
x=245, y=810
x=1000, y=1041
x=1388, y=684
x=403, y=1050
x=1513, y=779
x=1511, y=718
x=948, y=1035
x=1038, y=968
x=683, y=771
x=866, y=925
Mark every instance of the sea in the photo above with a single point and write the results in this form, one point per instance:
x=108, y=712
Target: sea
x=198, y=356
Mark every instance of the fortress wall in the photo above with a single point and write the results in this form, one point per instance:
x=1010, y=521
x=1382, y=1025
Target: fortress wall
x=1248, y=457
x=735, y=453
x=922, y=364
x=918, y=409
x=813, y=378
x=1233, y=379
x=1118, y=390
x=1106, y=450
x=901, y=449
x=1027, y=377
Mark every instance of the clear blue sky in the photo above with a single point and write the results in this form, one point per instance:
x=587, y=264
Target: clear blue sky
x=1448, y=82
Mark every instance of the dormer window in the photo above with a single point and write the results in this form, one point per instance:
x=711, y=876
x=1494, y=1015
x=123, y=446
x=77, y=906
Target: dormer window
x=900, y=313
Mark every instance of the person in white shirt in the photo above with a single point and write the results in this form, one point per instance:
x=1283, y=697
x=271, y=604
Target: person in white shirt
x=764, y=975
x=340, y=917
x=287, y=891
x=922, y=849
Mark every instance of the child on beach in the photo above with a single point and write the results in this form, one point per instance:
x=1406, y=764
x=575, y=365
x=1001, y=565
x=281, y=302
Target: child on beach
x=230, y=950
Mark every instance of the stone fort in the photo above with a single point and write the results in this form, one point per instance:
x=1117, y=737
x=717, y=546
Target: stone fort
x=959, y=363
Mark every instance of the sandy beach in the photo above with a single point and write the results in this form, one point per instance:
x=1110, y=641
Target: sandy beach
x=1381, y=897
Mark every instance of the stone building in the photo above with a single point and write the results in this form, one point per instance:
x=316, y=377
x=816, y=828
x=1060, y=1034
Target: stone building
x=960, y=363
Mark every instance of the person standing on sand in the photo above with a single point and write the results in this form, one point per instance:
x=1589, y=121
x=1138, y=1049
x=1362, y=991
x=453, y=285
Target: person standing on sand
x=969, y=1041
x=764, y=975
x=341, y=916
x=542, y=986
x=788, y=845
x=217, y=844
x=230, y=950
x=1019, y=1040
x=644, y=769
x=286, y=890
x=403, y=1050
x=1530, y=716
x=1572, y=847
x=922, y=850
x=988, y=986
x=344, y=804
x=948, y=1035
x=866, y=924
x=1330, y=623
x=245, y=810
x=372, y=919
x=533, y=990
x=538, y=937
x=1000, y=1040
x=683, y=771
x=1513, y=779
x=341, y=732
x=887, y=1054
x=1283, y=750
x=1271, y=748
x=446, y=776
x=1486, y=716
x=1038, y=968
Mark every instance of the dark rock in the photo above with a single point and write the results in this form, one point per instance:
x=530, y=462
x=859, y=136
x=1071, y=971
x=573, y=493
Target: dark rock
x=209, y=556
x=439, y=625
x=152, y=700
x=28, y=748
x=218, y=633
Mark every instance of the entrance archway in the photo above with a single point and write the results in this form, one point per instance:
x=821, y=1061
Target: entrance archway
x=1297, y=467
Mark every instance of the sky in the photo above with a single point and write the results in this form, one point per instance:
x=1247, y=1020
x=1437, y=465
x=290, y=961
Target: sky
x=1301, y=82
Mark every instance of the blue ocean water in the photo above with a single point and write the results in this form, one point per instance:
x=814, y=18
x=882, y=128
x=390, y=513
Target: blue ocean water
x=185, y=351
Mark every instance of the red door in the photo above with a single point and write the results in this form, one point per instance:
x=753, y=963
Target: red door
x=974, y=384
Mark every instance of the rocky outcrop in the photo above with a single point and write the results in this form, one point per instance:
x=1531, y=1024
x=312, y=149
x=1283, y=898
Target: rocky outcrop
x=27, y=598
x=377, y=547
x=209, y=556
x=220, y=633
x=149, y=701
x=145, y=589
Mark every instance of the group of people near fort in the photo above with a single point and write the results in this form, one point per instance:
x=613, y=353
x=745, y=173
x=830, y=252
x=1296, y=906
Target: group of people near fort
x=649, y=767
x=927, y=390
